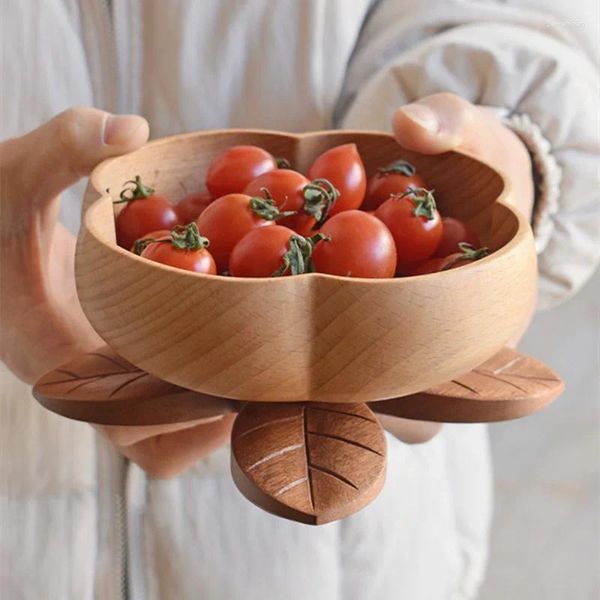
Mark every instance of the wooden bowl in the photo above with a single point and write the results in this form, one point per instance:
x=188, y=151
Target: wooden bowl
x=310, y=337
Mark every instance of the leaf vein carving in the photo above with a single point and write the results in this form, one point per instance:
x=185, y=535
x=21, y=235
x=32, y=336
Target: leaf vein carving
x=289, y=486
x=465, y=386
x=69, y=373
x=342, y=412
x=90, y=378
x=509, y=364
x=267, y=423
x=273, y=455
x=311, y=497
x=333, y=474
x=492, y=376
x=126, y=383
x=346, y=440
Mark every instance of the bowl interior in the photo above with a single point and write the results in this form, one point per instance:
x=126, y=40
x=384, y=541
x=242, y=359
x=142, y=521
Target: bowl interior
x=176, y=166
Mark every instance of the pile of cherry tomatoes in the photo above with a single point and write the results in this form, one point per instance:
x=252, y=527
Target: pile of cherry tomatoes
x=261, y=218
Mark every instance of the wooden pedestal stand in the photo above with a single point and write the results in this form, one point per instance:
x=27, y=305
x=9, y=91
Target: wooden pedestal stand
x=312, y=462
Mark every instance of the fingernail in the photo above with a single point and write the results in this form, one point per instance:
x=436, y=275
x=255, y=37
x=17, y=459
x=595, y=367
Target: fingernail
x=119, y=129
x=423, y=116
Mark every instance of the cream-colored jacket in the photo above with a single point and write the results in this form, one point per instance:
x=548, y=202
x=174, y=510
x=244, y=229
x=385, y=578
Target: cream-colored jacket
x=77, y=521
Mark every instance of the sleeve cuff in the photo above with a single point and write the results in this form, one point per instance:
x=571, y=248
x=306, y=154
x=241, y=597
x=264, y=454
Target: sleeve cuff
x=547, y=173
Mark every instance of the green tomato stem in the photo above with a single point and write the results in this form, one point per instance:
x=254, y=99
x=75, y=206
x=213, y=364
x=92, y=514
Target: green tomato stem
x=137, y=192
x=398, y=167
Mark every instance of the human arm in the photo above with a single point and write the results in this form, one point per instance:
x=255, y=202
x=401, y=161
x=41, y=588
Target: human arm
x=42, y=324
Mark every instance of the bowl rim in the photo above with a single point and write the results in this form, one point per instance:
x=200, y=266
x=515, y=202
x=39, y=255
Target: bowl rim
x=522, y=230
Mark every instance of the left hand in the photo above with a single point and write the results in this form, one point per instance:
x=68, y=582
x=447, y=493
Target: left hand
x=443, y=122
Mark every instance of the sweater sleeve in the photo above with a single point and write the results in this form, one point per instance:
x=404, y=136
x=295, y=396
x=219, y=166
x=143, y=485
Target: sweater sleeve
x=538, y=77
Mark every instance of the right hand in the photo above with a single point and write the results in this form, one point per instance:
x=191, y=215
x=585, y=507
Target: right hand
x=42, y=324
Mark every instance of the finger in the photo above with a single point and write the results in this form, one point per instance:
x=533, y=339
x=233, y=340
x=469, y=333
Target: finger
x=165, y=456
x=122, y=435
x=444, y=122
x=66, y=148
x=439, y=123
x=410, y=431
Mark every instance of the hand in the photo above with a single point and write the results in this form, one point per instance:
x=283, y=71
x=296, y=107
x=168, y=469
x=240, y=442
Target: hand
x=444, y=122
x=42, y=324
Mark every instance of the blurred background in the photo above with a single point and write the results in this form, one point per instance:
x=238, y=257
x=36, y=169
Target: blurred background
x=546, y=533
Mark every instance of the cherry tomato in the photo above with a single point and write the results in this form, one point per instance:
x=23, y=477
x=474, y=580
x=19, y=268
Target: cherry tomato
x=284, y=186
x=191, y=207
x=415, y=224
x=343, y=167
x=144, y=211
x=225, y=222
x=232, y=170
x=292, y=191
x=454, y=232
x=302, y=224
x=185, y=249
x=260, y=253
x=396, y=178
x=466, y=255
x=141, y=244
x=360, y=245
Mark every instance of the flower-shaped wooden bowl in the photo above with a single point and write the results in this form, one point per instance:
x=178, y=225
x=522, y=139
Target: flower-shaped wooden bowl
x=309, y=352
x=313, y=337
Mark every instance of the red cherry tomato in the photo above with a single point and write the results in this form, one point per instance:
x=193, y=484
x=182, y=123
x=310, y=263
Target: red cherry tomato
x=225, y=222
x=144, y=211
x=191, y=207
x=343, y=167
x=260, y=253
x=199, y=261
x=454, y=232
x=284, y=186
x=396, y=178
x=415, y=224
x=302, y=224
x=185, y=249
x=232, y=170
x=360, y=245
x=467, y=255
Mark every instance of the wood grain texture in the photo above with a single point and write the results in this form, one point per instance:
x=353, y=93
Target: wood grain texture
x=312, y=337
x=508, y=386
x=101, y=387
x=309, y=462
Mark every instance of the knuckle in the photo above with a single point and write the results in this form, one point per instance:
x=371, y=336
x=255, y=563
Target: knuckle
x=69, y=125
x=449, y=97
x=452, y=103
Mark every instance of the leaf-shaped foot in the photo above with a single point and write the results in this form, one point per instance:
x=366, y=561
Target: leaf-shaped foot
x=309, y=462
x=507, y=386
x=102, y=387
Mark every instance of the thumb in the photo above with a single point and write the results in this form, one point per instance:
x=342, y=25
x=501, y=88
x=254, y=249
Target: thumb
x=66, y=148
x=436, y=124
